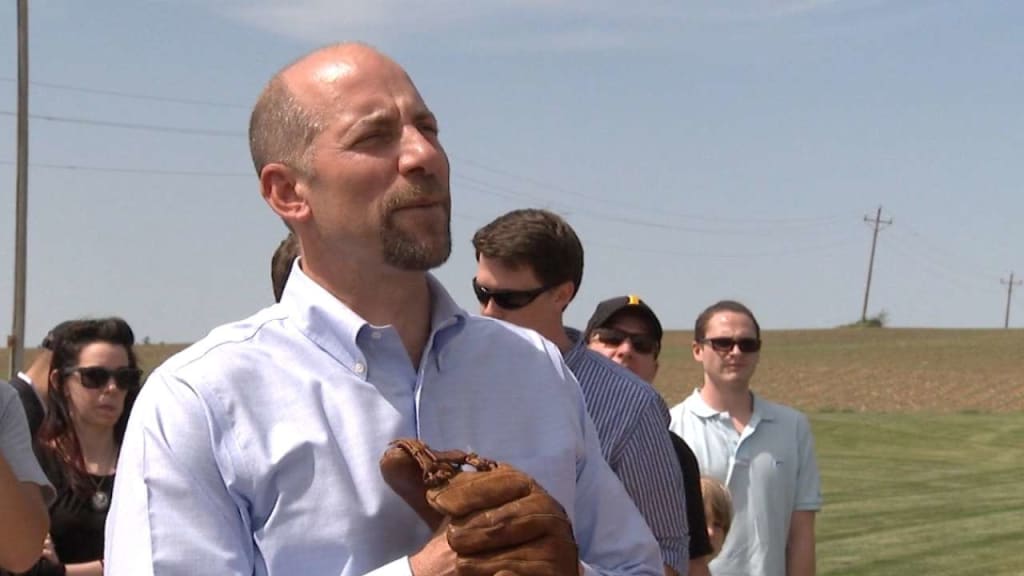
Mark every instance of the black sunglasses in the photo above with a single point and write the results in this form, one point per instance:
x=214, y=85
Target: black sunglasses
x=642, y=343
x=507, y=299
x=95, y=377
x=746, y=345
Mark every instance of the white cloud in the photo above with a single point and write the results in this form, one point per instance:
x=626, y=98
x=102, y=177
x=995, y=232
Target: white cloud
x=561, y=25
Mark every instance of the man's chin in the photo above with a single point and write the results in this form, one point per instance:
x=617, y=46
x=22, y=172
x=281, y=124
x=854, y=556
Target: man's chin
x=419, y=257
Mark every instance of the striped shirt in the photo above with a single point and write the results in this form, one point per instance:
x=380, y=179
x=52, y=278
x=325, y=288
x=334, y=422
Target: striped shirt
x=632, y=425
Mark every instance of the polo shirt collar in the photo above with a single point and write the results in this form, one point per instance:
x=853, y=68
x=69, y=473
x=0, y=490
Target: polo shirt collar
x=701, y=408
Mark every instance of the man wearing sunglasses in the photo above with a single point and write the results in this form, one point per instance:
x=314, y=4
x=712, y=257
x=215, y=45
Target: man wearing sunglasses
x=627, y=331
x=529, y=268
x=764, y=452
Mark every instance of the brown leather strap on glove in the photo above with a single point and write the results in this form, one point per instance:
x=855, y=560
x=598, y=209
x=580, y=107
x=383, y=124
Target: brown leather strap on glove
x=502, y=523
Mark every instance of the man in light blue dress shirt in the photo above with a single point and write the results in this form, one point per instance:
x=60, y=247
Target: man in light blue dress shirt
x=255, y=451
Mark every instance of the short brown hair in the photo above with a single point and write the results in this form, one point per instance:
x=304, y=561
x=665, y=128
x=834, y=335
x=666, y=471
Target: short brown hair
x=536, y=238
x=700, y=327
x=282, y=129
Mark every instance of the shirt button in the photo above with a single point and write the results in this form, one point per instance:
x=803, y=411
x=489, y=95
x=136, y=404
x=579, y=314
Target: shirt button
x=375, y=335
x=359, y=368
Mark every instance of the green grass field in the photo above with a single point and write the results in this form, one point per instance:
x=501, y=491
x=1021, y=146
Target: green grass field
x=915, y=494
x=920, y=439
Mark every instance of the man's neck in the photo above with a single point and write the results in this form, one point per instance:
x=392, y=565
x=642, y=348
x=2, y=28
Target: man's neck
x=556, y=334
x=383, y=296
x=734, y=398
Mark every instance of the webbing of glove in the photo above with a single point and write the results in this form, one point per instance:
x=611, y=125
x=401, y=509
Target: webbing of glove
x=410, y=467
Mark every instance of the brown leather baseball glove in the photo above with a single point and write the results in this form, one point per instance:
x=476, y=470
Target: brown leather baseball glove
x=502, y=523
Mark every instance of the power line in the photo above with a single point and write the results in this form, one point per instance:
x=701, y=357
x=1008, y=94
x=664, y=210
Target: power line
x=811, y=221
x=116, y=170
x=602, y=215
x=744, y=221
x=129, y=125
x=132, y=96
x=938, y=251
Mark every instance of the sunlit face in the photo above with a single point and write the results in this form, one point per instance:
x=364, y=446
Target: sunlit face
x=378, y=187
x=101, y=407
x=545, y=310
x=730, y=370
x=643, y=365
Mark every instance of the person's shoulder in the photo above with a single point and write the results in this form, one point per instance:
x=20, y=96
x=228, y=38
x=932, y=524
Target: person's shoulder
x=487, y=331
x=778, y=411
x=225, y=343
x=607, y=373
x=7, y=392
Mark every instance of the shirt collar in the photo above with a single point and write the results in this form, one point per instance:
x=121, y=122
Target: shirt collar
x=334, y=327
x=701, y=408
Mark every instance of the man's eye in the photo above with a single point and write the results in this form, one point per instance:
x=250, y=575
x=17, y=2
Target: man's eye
x=371, y=138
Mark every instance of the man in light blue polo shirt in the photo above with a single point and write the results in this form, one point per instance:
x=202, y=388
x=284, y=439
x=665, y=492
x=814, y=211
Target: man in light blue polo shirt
x=762, y=451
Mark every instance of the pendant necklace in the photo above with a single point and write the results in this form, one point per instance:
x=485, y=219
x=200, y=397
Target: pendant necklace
x=100, y=498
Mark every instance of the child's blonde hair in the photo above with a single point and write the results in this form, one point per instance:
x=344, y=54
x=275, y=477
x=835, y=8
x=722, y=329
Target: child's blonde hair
x=718, y=501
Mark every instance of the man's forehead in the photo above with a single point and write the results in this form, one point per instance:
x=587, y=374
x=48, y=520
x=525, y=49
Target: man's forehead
x=333, y=73
x=729, y=321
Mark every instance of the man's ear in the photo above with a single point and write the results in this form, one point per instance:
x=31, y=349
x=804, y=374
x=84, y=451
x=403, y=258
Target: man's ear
x=698, y=351
x=564, y=293
x=284, y=190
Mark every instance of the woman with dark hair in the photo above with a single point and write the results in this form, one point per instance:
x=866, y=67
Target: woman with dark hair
x=94, y=379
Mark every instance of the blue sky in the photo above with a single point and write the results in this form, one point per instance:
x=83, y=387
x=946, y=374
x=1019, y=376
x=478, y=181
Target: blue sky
x=702, y=150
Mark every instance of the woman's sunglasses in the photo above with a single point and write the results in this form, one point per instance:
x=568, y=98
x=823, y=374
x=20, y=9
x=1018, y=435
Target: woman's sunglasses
x=95, y=377
x=746, y=345
x=507, y=299
x=642, y=343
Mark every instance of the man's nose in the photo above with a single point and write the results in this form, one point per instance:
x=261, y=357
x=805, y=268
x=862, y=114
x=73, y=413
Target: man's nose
x=625, y=349
x=420, y=153
x=491, y=309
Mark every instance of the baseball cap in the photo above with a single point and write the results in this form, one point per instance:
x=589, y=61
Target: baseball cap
x=633, y=304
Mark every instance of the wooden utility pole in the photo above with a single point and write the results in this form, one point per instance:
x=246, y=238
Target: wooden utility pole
x=1009, y=294
x=16, y=341
x=878, y=222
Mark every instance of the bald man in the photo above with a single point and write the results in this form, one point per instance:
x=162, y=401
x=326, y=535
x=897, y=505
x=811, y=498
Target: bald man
x=255, y=451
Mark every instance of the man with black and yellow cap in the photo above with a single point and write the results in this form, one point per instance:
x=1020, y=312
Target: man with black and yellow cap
x=627, y=331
